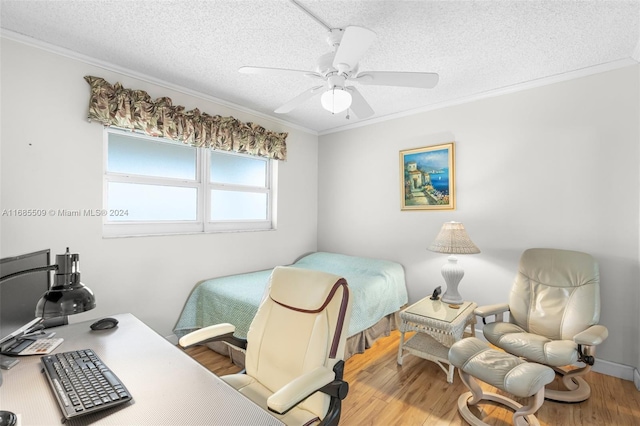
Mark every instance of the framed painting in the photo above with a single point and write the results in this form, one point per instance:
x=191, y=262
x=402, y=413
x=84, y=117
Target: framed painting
x=427, y=178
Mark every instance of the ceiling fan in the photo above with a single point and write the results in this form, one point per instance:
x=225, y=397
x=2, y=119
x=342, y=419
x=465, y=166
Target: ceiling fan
x=337, y=70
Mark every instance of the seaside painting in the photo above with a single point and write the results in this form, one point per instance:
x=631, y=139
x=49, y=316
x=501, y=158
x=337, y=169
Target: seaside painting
x=427, y=178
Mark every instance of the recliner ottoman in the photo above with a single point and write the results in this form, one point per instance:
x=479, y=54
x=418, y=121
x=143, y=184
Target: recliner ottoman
x=477, y=360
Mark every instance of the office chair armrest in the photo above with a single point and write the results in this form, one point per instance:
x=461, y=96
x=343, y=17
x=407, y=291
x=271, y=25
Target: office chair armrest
x=592, y=336
x=299, y=389
x=213, y=333
x=489, y=310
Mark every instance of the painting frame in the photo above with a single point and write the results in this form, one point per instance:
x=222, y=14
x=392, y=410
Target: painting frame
x=421, y=178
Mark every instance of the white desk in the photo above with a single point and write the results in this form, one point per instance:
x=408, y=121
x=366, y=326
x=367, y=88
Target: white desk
x=168, y=386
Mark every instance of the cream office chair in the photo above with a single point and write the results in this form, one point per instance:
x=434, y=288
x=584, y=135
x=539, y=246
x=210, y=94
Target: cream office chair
x=295, y=347
x=554, y=309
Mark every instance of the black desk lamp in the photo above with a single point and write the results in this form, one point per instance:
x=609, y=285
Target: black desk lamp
x=67, y=296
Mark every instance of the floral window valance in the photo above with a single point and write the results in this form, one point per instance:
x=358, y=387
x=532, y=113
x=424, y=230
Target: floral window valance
x=113, y=105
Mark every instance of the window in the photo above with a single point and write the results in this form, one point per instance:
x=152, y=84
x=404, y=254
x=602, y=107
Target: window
x=158, y=186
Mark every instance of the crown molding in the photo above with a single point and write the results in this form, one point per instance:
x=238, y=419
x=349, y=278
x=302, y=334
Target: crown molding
x=545, y=81
x=133, y=74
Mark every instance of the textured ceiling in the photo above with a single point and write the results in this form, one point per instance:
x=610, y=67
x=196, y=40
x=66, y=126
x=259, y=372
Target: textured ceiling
x=475, y=46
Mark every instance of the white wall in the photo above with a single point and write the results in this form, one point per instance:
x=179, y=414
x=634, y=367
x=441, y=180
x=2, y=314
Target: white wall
x=52, y=159
x=555, y=166
x=636, y=377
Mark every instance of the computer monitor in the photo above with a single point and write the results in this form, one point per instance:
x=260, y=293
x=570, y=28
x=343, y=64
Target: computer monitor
x=19, y=295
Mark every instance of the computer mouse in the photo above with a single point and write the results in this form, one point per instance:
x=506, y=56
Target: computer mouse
x=104, y=324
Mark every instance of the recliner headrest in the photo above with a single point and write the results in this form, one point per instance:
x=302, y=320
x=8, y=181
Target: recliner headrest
x=559, y=268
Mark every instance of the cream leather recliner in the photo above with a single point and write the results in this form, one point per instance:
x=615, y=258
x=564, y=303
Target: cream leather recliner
x=295, y=347
x=554, y=309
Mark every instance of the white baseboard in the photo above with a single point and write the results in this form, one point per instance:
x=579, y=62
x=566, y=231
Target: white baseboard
x=621, y=371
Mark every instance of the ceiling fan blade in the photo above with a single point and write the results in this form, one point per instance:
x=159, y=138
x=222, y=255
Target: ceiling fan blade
x=425, y=80
x=355, y=41
x=298, y=100
x=359, y=105
x=277, y=71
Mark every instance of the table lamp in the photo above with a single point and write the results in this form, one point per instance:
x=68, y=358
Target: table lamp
x=67, y=295
x=453, y=239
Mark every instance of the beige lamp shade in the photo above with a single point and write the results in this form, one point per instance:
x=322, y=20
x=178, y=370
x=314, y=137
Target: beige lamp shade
x=453, y=239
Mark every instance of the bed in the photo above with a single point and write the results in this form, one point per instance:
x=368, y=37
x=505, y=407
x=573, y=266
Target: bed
x=377, y=286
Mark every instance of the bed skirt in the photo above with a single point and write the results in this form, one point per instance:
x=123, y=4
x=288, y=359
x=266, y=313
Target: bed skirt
x=356, y=344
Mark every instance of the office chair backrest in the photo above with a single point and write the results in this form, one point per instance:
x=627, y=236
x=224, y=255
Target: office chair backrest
x=300, y=325
x=556, y=293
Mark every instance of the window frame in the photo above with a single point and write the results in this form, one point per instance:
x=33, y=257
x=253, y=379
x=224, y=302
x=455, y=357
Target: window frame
x=203, y=186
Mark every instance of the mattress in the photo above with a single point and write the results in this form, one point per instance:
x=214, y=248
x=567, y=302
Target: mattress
x=378, y=288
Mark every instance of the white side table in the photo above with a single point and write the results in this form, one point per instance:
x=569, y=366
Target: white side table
x=437, y=327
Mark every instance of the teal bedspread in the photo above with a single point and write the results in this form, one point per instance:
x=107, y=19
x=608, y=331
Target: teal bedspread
x=377, y=286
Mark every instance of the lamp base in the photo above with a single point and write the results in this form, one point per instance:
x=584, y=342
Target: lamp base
x=452, y=274
x=452, y=300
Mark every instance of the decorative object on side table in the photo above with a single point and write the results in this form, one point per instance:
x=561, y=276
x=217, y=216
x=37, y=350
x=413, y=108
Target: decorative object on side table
x=453, y=239
x=436, y=293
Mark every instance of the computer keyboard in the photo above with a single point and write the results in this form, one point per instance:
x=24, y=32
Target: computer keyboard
x=82, y=383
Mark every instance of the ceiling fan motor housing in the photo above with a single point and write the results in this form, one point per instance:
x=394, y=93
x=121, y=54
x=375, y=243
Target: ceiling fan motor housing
x=336, y=80
x=325, y=66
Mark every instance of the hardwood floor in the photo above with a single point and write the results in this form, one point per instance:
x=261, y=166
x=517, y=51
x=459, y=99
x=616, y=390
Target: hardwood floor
x=417, y=393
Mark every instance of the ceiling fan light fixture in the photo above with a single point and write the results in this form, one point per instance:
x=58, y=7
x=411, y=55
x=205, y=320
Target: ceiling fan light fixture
x=336, y=100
